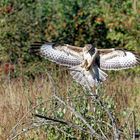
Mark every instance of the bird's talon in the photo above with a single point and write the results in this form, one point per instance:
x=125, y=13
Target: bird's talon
x=87, y=68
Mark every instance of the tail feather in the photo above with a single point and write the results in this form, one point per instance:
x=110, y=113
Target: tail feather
x=88, y=78
x=102, y=75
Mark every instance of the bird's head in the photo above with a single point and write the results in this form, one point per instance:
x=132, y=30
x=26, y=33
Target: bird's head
x=89, y=48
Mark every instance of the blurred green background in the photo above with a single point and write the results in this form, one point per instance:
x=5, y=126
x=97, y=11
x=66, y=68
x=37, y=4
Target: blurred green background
x=103, y=23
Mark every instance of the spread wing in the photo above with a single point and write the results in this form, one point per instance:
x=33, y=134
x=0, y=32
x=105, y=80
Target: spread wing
x=118, y=60
x=66, y=55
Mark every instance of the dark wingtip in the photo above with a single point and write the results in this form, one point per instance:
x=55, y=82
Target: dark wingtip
x=138, y=60
x=35, y=48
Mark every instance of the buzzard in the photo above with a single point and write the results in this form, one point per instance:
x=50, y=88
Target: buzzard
x=86, y=64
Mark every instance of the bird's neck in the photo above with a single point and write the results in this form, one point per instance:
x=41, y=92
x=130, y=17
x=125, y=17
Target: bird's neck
x=91, y=51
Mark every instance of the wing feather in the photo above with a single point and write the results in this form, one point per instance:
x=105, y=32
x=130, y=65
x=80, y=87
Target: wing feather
x=60, y=55
x=118, y=60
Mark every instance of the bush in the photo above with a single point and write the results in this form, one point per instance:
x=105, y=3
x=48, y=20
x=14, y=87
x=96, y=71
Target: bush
x=102, y=23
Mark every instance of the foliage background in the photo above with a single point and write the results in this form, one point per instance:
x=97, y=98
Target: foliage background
x=103, y=23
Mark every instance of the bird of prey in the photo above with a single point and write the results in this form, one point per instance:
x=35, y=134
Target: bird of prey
x=86, y=64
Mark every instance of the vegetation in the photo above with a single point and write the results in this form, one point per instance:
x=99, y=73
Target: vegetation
x=27, y=87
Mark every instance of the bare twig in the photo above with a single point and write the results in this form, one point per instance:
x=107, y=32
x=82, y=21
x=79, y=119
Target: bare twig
x=102, y=133
x=13, y=130
x=51, y=119
x=63, y=122
x=112, y=118
x=43, y=120
x=134, y=5
x=134, y=126
x=93, y=132
x=24, y=130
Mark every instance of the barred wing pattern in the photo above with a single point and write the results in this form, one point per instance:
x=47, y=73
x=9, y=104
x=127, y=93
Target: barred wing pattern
x=73, y=57
x=59, y=56
x=118, y=60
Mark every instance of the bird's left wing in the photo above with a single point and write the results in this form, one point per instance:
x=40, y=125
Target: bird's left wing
x=118, y=60
x=64, y=55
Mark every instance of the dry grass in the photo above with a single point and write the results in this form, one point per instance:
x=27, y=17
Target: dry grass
x=17, y=96
x=125, y=91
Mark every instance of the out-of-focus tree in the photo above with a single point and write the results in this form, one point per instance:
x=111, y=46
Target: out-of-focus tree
x=104, y=23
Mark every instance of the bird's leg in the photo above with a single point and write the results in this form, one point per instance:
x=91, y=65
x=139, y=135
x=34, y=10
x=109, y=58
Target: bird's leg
x=92, y=59
x=84, y=63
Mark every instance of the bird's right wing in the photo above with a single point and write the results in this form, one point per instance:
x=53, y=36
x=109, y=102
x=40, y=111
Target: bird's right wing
x=62, y=55
x=118, y=60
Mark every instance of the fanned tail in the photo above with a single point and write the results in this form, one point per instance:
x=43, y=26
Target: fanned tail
x=102, y=75
x=89, y=78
